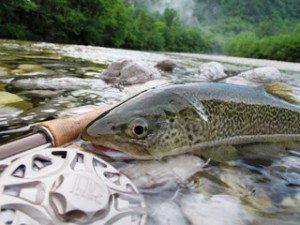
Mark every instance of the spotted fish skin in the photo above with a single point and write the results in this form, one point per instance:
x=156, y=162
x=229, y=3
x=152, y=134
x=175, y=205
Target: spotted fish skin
x=182, y=118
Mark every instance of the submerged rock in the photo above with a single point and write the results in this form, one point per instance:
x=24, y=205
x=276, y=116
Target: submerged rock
x=215, y=210
x=77, y=110
x=99, y=97
x=256, y=76
x=58, y=83
x=31, y=69
x=7, y=111
x=4, y=71
x=127, y=72
x=211, y=71
x=40, y=94
x=155, y=176
x=164, y=213
x=9, y=99
x=292, y=202
x=169, y=65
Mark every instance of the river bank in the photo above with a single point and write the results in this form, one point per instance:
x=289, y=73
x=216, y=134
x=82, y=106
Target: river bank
x=108, y=55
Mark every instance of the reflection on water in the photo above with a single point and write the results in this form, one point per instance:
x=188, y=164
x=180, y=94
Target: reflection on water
x=259, y=189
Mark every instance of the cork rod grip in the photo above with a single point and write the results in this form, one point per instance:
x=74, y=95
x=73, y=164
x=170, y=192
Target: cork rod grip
x=64, y=130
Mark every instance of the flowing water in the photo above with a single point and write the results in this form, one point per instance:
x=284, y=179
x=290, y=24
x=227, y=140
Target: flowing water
x=40, y=81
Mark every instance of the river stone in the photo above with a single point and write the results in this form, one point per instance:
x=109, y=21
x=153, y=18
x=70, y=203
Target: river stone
x=210, y=71
x=215, y=210
x=9, y=99
x=164, y=212
x=256, y=76
x=292, y=202
x=3, y=71
x=157, y=176
x=127, y=72
x=169, y=65
x=40, y=93
x=77, y=110
x=8, y=111
x=30, y=69
x=58, y=83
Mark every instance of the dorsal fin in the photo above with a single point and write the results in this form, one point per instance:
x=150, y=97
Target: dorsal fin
x=282, y=91
x=195, y=103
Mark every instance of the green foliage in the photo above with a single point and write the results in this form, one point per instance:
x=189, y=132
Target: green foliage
x=170, y=16
x=258, y=28
x=111, y=23
x=280, y=47
x=243, y=45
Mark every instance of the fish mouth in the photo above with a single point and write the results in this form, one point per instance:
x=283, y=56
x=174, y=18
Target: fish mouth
x=107, y=151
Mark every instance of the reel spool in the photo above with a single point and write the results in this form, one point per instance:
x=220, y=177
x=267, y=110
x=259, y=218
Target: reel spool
x=67, y=186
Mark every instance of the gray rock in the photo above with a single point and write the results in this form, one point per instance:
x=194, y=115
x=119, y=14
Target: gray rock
x=256, y=76
x=210, y=71
x=127, y=72
x=169, y=65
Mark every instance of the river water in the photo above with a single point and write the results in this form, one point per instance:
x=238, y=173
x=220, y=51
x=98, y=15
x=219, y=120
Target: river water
x=41, y=81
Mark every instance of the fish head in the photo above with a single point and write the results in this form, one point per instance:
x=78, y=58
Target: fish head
x=133, y=134
x=139, y=126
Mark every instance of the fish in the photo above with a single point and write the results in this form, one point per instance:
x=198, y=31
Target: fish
x=180, y=118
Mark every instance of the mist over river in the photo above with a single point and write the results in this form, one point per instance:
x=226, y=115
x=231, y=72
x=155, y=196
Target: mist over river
x=42, y=81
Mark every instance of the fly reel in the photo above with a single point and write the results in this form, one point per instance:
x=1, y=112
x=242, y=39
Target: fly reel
x=67, y=186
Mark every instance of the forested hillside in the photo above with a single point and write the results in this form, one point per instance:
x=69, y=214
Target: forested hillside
x=256, y=28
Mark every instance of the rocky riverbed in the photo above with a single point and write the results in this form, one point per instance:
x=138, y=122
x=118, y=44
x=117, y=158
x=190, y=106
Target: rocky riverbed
x=41, y=81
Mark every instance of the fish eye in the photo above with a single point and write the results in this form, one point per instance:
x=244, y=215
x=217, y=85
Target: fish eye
x=138, y=128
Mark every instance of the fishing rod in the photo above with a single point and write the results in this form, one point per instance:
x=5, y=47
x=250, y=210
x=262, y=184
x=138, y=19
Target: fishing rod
x=56, y=132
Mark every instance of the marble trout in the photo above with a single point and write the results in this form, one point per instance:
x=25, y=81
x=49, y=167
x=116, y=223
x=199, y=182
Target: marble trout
x=181, y=118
